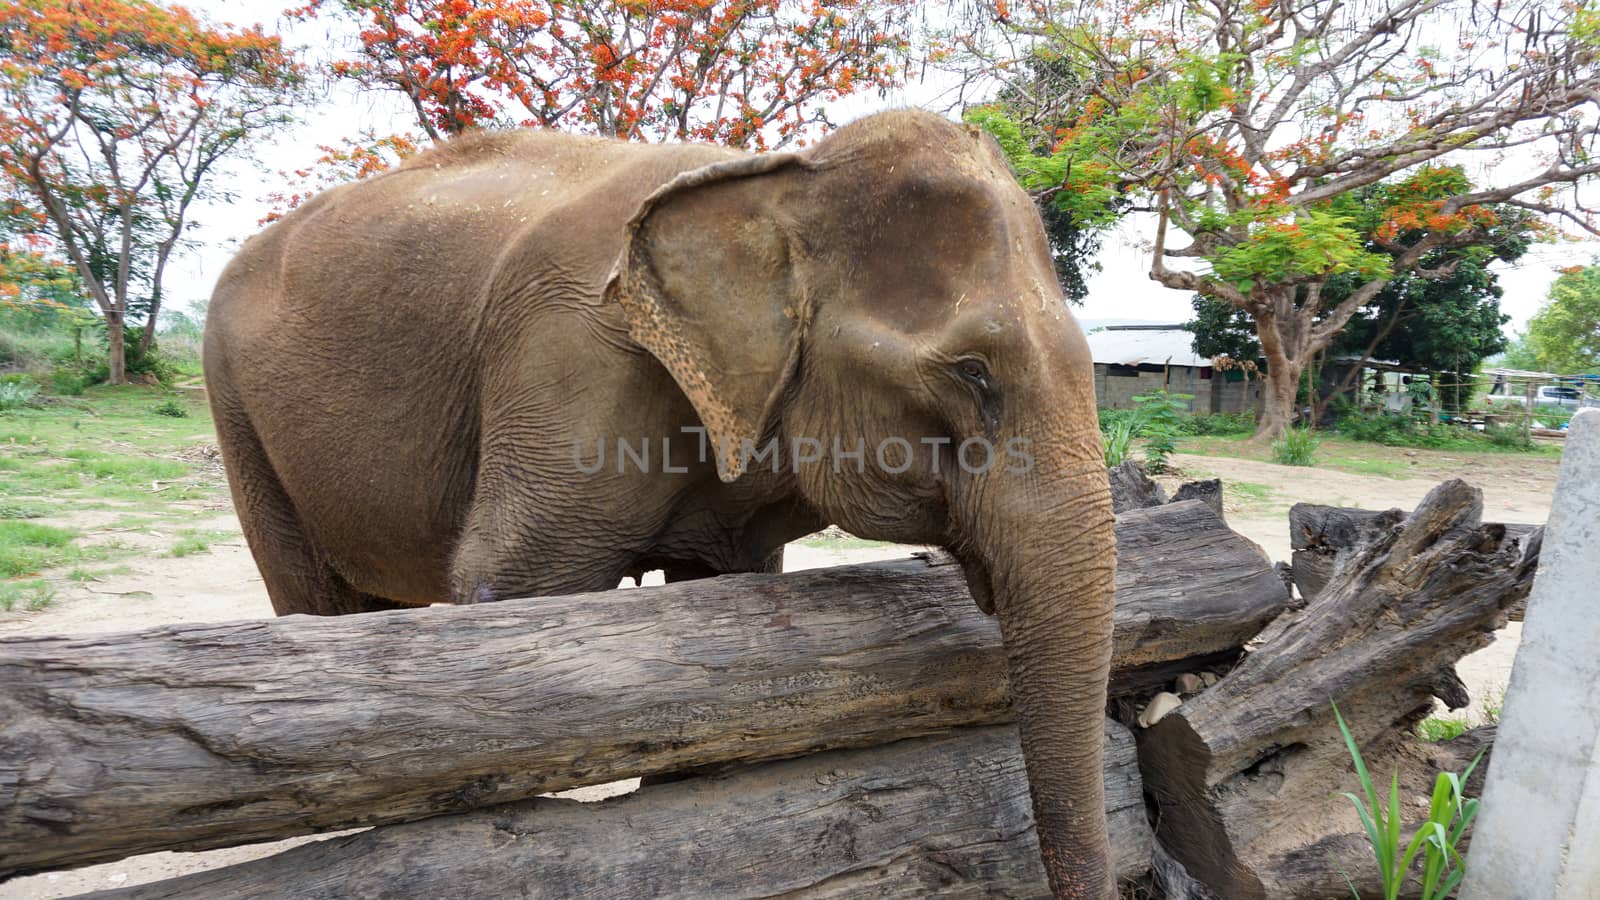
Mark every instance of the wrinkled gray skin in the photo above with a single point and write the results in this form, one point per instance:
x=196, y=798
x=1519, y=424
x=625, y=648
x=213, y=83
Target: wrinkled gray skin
x=399, y=370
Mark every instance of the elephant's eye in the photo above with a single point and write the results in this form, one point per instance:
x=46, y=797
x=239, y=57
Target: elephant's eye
x=974, y=371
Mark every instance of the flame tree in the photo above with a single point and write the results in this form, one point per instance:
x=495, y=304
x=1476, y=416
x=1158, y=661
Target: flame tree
x=1253, y=127
x=751, y=73
x=114, y=115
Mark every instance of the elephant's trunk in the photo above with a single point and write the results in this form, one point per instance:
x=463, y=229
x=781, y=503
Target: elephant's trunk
x=1052, y=577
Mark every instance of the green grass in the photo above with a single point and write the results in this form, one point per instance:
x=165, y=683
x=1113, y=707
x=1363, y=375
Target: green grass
x=111, y=449
x=1296, y=447
x=191, y=541
x=30, y=595
x=27, y=547
x=1435, y=729
x=1450, y=811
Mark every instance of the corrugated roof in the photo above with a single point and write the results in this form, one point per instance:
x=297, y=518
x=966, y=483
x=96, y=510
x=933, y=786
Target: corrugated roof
x=1154, y=346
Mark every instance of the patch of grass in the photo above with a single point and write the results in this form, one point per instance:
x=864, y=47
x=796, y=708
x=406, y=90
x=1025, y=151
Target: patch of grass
x=172, y=409
x=81, y=575
x=22, y=511
x=28, y=547
x=1435, y=729
x=112, y=449
x=30, y=595
x=1296, y=447
x=1248, y=490
x=1491, y=706
x=191, y=541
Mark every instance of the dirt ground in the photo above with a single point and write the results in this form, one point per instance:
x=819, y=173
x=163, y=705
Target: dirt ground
x=222, y=584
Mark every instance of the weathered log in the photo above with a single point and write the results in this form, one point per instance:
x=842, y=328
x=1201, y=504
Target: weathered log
x=1318, y=534
x=199, y=736
x=909, y=819
x=1209, y=490
x=1246, y=774
x=1132, y=489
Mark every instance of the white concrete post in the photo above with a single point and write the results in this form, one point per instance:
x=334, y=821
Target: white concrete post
x=1538, y=835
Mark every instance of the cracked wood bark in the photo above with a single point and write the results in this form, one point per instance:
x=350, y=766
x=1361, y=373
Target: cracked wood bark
x=1318, y=534
x=919, y=817
x=199, y=736
x=1246, y=774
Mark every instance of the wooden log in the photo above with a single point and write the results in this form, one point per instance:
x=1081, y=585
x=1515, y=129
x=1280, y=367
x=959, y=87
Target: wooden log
x=931, y=815
x=1246, y=774
x=200, y=736
x=1318, y=534
x=1132, y=489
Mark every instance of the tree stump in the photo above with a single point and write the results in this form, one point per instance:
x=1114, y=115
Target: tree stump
x=1246, y=774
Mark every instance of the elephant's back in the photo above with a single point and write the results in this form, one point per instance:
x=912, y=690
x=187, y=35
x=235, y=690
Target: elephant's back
x=352, y=335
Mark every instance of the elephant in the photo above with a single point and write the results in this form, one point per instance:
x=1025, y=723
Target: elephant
x=526, y=363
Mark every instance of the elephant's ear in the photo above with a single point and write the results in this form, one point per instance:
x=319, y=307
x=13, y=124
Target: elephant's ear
x=707, y=284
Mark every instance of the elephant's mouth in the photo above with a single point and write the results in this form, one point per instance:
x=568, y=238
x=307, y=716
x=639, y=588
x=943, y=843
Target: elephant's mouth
x=979, y=583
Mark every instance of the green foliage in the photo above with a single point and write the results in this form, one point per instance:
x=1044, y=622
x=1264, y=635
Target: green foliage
x=1446, y=324
x=1314, y=244
x=172, y=408
x=1394, y=430
x=1508, y=437
x=1161, y=417
x=18, y=394
x=1564, y=335
x=1449, y=814
x=1296, y=447
x=1436, y=729
x=1220, y=424
x=1075, y=209
x=1118, y=440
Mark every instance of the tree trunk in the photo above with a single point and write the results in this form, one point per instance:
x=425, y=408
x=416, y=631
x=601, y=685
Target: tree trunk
x=911, y=819
x=199, y=736
x=1277, y=400
x=1246, y=775
x=116, y=363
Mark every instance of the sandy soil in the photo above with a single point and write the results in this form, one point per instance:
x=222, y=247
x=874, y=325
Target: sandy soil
x=223, y=584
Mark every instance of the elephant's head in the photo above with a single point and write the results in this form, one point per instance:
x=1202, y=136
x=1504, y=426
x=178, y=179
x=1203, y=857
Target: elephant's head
x=892, y=286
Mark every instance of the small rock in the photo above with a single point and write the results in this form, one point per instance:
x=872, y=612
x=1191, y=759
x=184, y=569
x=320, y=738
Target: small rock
x=1188, y=683
x=1159, y=706
x=1209, y=678
x=1411, y=453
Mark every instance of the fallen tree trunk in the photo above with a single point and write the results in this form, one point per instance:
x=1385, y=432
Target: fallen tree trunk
x=907, y=819
x=1318, y=534
x=1246, y=774
x=199, y=736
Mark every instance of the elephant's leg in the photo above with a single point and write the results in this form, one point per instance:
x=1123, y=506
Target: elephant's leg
x=296, y=574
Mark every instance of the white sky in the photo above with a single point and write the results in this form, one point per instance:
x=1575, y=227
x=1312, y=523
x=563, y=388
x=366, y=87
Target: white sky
x=1123, y=290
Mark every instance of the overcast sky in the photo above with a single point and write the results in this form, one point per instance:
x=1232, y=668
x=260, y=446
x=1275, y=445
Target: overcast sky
x=1123, y=290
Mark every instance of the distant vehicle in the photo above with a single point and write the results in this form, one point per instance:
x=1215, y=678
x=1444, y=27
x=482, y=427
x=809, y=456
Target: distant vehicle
x=1551, y=394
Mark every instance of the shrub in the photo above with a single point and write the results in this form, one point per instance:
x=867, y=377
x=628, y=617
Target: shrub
x=1220, y=424
x=18, y=394
x=171, y=407
x=1112, y=417
x=1118, y=441
x=1296, y=447
x=1508, y=437
x=1160, y=417
x=1449, y=814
